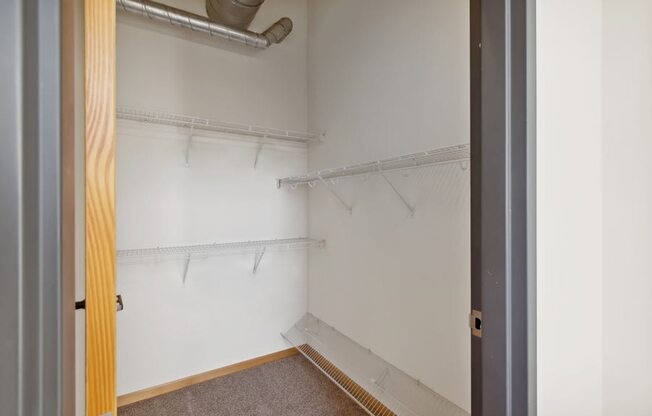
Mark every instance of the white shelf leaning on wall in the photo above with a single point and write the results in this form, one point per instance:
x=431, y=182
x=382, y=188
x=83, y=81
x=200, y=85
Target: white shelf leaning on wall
x=329, y=349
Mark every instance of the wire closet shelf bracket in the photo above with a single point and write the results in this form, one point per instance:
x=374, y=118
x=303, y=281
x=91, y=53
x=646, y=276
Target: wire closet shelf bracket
x=199, y=251
x=328, y=177
x=453, y=154
x=204, y=124
x=196, y=125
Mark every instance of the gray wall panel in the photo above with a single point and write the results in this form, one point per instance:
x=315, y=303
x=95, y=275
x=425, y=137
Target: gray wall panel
x=10, y=34
x=30, y=251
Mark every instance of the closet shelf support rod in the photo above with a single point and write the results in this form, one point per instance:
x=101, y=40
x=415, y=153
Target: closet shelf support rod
x=400, y=196
x=258, y=258
x=346, y=206
x=177, y=17
x=188, y=146
x=186, y=266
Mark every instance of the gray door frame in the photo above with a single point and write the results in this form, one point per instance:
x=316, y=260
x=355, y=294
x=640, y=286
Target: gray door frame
x=503, y=199
x=30, y=194
x=32, y=320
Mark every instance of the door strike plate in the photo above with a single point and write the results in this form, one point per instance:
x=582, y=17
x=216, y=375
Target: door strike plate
x=119, y=304
x=475, y=322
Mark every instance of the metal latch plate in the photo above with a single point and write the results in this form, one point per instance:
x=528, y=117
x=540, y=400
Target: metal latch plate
x=475, y=322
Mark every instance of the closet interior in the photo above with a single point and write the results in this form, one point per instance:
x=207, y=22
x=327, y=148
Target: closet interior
x=301, y=180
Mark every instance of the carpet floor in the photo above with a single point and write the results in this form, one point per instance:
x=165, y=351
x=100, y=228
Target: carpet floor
x=288, y=387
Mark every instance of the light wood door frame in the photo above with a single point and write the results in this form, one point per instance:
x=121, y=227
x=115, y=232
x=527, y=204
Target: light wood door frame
x=99, y=69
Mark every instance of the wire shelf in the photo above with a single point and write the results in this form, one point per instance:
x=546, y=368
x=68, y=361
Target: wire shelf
x=446, y=155
x=203, y=124
x=208, y=250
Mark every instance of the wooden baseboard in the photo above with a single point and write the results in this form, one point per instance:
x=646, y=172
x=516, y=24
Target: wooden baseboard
x=200, y=378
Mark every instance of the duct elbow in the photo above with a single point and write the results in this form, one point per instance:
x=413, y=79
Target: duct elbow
x=278, y=31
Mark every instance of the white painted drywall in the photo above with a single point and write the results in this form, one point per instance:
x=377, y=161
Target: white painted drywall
x=172, y=69
x=594, y=202
x=387, y=79
x=223, y=314
x=627, y=199
x=569, y=207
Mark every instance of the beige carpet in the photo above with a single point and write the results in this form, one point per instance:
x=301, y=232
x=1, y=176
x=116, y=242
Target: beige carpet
x=288, y=387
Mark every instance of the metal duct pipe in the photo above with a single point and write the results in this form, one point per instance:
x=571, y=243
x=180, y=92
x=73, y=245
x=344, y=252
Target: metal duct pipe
x=233, y=13
x=177, y=17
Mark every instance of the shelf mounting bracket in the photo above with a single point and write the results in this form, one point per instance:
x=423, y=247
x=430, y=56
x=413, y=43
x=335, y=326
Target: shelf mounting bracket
x=189, y=145
x=186, y=266
x=380, y=381
x=346, y=206
x=258, y=258
x=400, y=196
x=260, y=148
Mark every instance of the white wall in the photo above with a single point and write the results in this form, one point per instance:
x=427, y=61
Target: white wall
x=167, y=68
x=594, y=204
x=627, y=198
x=223, y=314
x=387, y=79
x=569, y=207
